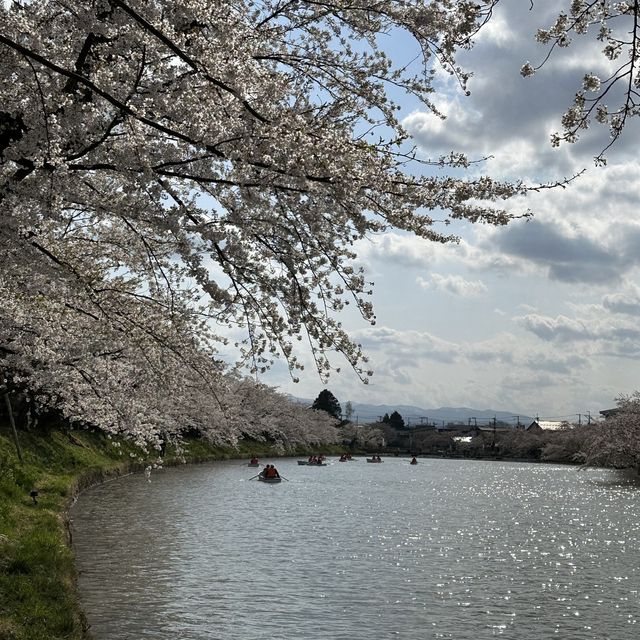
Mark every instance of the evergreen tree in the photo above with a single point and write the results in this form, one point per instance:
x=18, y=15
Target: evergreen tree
x=396, y=420
x=385, y=418
x=326, y=401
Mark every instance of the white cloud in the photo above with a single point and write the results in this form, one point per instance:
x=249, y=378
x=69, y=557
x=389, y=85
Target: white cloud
x=455, y=133
x=497, y=32
x=560, y=328
x=596, y=332
x=627, y=301
x=528, y=381
x=556, y=363
x=527, y=308
x=408, y=345
x=455, y=285
x=401, y=249
x=587, y=233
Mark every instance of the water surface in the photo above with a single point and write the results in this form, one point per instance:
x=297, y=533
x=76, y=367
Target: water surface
x=446, y=549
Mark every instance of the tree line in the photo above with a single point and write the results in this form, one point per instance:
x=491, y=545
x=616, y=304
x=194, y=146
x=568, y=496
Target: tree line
x=613, y=442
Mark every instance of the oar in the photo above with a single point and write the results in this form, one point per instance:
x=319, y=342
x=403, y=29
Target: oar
x=287, y=479
x=254, y=476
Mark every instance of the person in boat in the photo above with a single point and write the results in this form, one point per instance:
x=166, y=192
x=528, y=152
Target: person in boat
x=254, y=460
x=414, y=460
x=311, y=459
x=272, y=472
x=263, y=473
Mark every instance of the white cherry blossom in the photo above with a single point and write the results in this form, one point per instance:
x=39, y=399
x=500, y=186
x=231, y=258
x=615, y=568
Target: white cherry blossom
x=175, y=173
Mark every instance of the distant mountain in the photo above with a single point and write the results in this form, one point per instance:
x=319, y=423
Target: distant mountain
x=417, y=415
x=413, y=416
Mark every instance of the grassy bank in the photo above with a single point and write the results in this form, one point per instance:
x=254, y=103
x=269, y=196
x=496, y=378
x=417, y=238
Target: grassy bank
x=37, y=575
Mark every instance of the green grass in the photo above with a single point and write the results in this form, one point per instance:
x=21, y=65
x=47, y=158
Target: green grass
x=37, y=575
x=38, y=599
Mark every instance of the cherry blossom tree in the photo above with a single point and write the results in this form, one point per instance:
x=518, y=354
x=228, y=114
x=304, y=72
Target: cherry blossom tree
x=259, y=412
x=173, y=173
x=150, y=387
x=616, y=440
x=617, y=26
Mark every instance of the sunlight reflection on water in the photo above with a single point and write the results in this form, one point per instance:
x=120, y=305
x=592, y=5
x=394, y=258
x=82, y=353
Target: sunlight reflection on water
x=445, y=549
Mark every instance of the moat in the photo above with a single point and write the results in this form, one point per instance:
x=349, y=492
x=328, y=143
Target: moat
x=457, y=549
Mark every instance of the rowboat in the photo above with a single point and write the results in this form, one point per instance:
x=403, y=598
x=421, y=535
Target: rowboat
x=316, y=464
x=270, y=480
x=253, y=464
x=373, y=460
x=302, y=462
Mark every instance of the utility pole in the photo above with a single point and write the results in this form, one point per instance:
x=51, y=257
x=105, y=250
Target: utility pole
x=579, y=419
x=588, y=418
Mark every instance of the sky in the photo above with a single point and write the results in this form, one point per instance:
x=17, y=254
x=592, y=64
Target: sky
x=539, y=317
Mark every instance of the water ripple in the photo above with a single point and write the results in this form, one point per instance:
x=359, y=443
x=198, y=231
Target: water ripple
x=449, y=549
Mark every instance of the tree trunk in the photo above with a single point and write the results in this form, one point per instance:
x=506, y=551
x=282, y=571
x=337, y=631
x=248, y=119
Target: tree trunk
x=13, y=427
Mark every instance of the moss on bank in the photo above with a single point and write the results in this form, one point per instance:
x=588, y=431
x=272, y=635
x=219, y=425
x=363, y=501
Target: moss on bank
x=38, y=597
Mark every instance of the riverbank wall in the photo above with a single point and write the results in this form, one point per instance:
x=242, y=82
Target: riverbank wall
x=38, y=596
